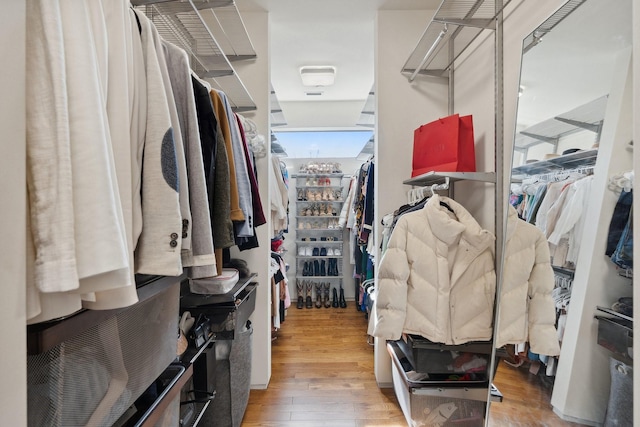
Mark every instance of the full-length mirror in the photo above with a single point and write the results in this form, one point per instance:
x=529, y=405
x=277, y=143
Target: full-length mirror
x=568, y=65
x=572, y=135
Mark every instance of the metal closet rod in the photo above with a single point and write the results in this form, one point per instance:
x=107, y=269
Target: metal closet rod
x=549, y=176
x=429, y=52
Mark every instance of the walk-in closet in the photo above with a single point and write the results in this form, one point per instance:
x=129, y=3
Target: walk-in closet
x=286, y=213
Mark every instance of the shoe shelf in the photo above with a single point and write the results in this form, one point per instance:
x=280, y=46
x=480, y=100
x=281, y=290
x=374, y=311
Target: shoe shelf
x=320, y=197
x=323, y=230
x=317, y=242
x=312, y=257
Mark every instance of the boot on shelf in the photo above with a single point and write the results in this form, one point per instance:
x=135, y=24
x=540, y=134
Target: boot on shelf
x=327, y=293
x=316, y=268
x=343, y=302
x=319, y=294
x=300, y=287
x=334, y=302
x=308, y=290
x=323, y=268
x=333, y=267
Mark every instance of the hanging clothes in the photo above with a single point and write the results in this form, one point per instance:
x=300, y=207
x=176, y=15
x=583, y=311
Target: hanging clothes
x=223, y=121
x=130, y=165
x=200, y=255
x=244, y=228
x=526, y=305
x=437, y=277
x=279, y=198
x=162, y=222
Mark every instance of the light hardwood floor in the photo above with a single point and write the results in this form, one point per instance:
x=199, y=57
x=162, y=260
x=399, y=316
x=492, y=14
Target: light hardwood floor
x=322, y=375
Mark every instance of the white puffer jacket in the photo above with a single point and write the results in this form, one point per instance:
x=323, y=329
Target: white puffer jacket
x=527, y=311
x=437, y=277
x=437, y=280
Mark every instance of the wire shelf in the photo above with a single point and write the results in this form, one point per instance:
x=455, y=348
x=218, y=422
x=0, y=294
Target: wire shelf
x=190, y=25
x=453, y=28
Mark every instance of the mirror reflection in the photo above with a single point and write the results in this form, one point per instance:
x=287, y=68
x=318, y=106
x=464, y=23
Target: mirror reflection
x=572, y=137
x=567, y=70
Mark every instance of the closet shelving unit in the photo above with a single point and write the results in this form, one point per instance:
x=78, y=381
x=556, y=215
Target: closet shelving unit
x=322, y=227
x=589, y=116
x=579, y=159
x=453, y=28
x=213, y=34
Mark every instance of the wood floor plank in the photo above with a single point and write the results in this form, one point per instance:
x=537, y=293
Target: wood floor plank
x=322, y=376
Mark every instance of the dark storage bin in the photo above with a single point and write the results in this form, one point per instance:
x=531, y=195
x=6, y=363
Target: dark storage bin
x=225, y=312
x=443, y=361
x=616, y=335
x=92, y=366
x=204, y=373
x=232, y=380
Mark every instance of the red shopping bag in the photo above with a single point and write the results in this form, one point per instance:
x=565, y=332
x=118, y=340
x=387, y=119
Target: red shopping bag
x=444, y=145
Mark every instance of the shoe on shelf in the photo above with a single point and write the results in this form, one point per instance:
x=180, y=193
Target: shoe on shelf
x=319, y=294
x=343, y=302
x=308, y=251
x=302, y=251
x=300, y=288
x=326, y=294
x=330, y=252
x=323, y=251
x=334, y=302
x=337, y=252
x=316, y=252
x=308, y=289
x=335, y=267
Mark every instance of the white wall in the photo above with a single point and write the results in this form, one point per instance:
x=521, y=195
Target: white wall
x=582, y=383
x=255, y=76
x=13, y=358
x=401, y=107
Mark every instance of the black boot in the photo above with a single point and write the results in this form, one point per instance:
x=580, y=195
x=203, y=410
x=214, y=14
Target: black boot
x=316, y=267
x=323, y=269
x=300, y=287
x=334, y=303
x=343, y=302
x=305, y=269
x=334, y=267
x=327, y=292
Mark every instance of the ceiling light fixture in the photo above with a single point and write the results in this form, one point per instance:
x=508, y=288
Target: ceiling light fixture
x=323, y=75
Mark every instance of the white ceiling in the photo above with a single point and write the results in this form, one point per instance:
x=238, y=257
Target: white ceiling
x=329, y=32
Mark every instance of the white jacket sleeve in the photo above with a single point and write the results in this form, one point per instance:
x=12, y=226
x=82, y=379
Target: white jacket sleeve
x=49, y=177
x=391, y=298
x=543, y=337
